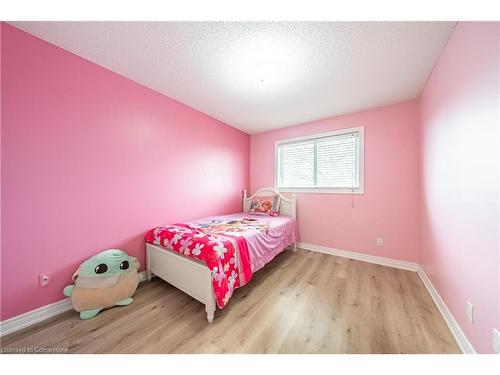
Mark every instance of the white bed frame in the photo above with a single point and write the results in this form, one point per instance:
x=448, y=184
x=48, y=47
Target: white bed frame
x=193, y=277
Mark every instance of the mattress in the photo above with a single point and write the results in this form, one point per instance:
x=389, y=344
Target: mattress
x=266, y=236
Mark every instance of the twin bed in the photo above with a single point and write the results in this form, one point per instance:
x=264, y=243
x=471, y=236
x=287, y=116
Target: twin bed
x=211, y=257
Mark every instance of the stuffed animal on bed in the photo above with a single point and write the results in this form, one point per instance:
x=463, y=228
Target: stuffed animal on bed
x=107, y=279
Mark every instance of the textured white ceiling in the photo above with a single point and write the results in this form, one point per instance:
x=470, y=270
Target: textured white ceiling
x=258, y=76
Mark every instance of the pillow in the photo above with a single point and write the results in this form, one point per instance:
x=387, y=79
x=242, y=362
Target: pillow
x=264, y=205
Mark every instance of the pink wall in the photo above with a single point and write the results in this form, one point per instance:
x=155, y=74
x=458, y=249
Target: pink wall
x=87, y=157
x=389, y=207
x=459, y=178
x=92, y=160
x=1, y=152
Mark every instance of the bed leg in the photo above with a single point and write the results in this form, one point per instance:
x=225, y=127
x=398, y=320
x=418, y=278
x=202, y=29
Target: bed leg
x=210, y=318
x=210, y=309
x=149, y=274
x=294, y=246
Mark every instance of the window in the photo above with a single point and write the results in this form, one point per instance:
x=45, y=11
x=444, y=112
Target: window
x=329, y=162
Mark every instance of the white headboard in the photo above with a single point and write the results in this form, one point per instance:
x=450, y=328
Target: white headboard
x=287, y=205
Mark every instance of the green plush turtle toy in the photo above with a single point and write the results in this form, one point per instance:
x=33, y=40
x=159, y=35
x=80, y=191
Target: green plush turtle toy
x=107, y=279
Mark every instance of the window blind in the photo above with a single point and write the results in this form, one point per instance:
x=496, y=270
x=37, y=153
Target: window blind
x=325, y=162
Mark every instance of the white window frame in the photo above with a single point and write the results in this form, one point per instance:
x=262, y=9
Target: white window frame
x=359, y=190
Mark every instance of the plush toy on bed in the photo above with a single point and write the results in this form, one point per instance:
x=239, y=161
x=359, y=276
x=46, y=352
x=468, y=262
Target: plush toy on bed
x=107, y=279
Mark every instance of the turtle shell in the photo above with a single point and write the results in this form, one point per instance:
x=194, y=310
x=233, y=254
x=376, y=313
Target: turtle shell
x=85, y=298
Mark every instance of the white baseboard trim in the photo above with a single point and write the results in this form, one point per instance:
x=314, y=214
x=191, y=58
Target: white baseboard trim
x=34, y=316
x=401, y=264
x=462, y=341
x=459, y=336
x=19, y=322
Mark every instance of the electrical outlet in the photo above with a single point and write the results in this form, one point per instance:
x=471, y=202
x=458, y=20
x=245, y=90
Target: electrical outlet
x=44, y=279
x=496, y=341
x=380, y=241
x=470, y=312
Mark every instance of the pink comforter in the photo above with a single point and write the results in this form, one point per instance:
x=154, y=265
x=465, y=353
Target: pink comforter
x=263, y=245
x=232, y=246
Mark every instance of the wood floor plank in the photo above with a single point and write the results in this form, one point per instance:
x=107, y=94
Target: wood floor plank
x=301, y=302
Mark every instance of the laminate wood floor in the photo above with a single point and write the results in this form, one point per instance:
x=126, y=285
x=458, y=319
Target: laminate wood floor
x=302, y=302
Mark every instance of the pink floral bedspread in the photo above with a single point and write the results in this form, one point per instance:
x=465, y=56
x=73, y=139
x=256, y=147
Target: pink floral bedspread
x=225, y=255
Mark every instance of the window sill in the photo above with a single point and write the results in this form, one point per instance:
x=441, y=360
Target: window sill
x=320, y=191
